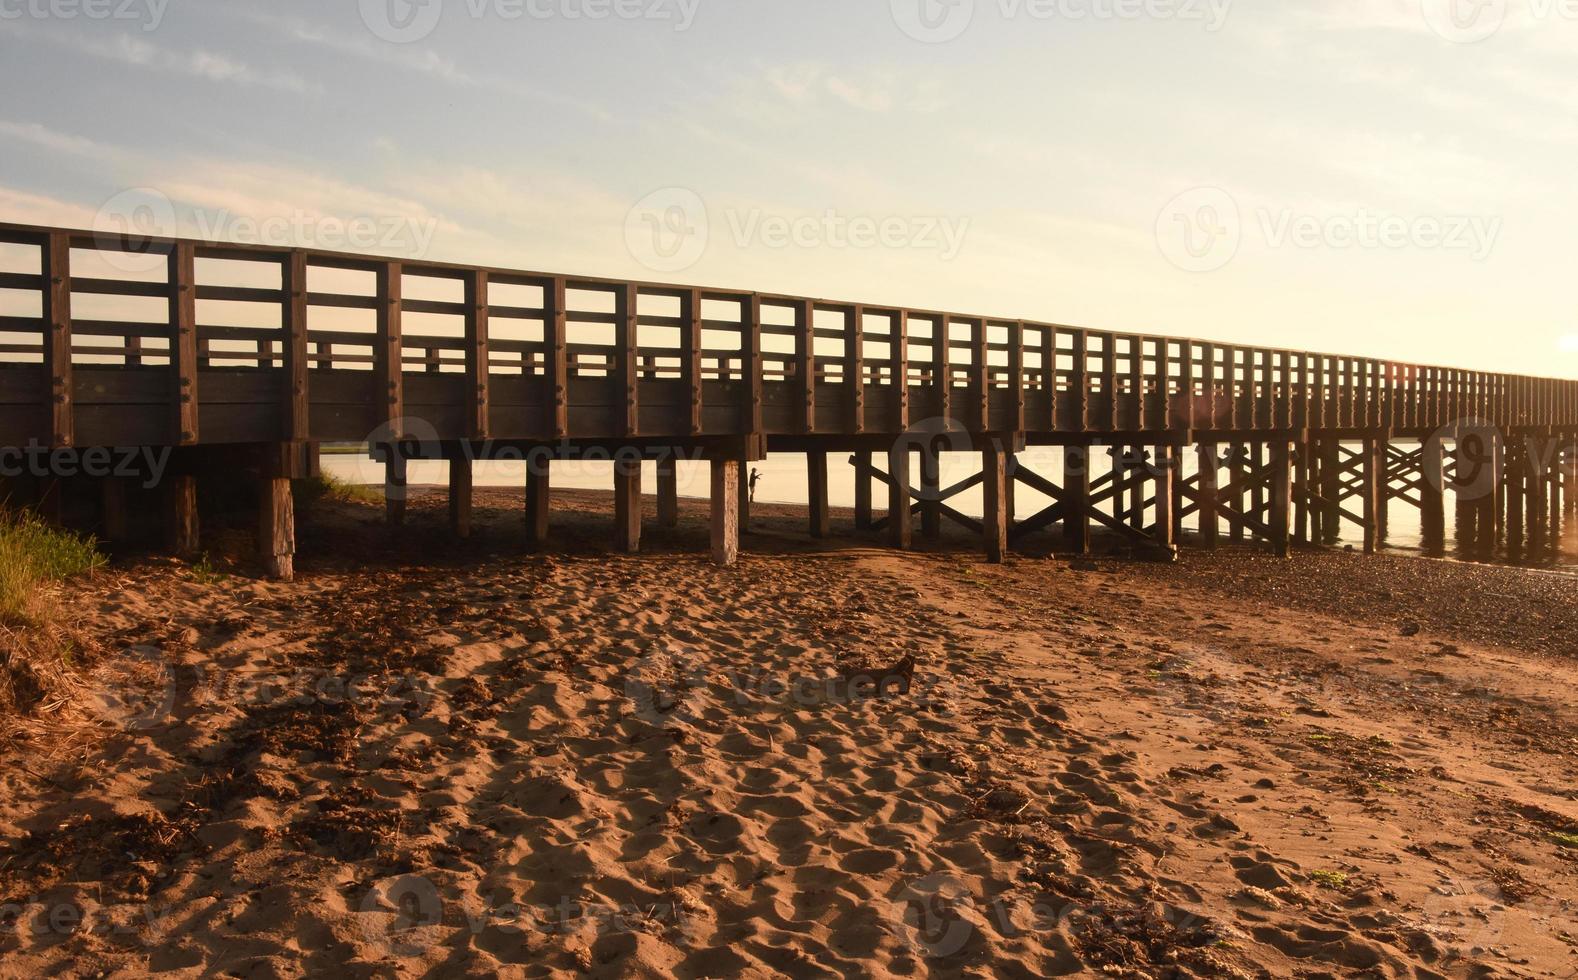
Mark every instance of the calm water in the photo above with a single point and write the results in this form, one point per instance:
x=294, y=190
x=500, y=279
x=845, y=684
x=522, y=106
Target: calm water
x=783, y=481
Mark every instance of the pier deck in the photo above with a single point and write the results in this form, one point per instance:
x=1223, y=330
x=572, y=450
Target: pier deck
x=227, y=352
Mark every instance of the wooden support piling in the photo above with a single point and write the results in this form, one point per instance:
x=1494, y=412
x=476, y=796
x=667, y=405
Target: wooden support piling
x=743, y=492
x=667, y=492
x=460, y=494
x=1371, y=467
x=1331, y=489
x=277, y=528
x=1570, y=482
x=538, y=497
x=1210, y=527
x=1281, y=456
x=1467, y=507
x=395, y=489
x=1237, y=470
x=112, y=509
x=816, y=481
x=181, y=525
x=931, y=492
x=1300, y=490
x=1076, y=483
x=1534, y=470
x=899, y=523
x=863, y=518
x=1135, y=462
x=1432, y=486
x=1257, y=494
x=627, y=505
x=1512, y=496
x=725, y=523
x=994, y=488
x=1166, y=501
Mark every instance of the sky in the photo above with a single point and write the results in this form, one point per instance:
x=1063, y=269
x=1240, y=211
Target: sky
x=1388, y=178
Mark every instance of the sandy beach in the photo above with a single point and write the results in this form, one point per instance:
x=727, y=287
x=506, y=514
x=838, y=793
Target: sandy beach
x=438, y=758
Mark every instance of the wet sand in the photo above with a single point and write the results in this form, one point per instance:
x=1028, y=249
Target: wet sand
x=429, y=757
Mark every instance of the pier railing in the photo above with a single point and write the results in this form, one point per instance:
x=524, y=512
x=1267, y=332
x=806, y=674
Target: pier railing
x=121, y=340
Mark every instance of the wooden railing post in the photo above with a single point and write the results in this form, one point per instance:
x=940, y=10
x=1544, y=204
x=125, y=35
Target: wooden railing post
x=389, y=357
x=556, y=358
x=55, y=264
x=805, y=362
x=855, y=368
x=690, y=355
x=901, y=368
x=751, y=363
x=627, y=374
x=477, y=353
x=293, y=347
x=182, y=267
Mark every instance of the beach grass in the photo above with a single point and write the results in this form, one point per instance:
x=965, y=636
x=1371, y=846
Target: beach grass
x=325, y=486
x=34, y=555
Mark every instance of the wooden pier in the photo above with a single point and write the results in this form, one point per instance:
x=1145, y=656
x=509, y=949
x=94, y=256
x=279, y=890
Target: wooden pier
x=244, y=359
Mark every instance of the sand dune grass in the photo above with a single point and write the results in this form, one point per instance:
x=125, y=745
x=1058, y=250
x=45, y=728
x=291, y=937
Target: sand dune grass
x=36, y=673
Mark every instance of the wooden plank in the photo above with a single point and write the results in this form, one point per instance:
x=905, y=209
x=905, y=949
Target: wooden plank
x=690, y=354
x=627, y=377
x=477, y=357
x=293, y=346
x=182, y=289
x=55, y=262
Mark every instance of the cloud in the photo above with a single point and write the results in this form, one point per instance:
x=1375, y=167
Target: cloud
x=421, y=60
x=138, y=53
x=875, y=90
